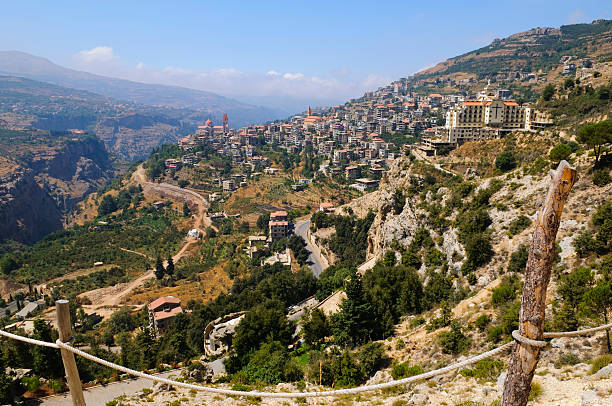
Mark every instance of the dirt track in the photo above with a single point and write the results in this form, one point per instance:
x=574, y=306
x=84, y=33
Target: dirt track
x=106, y=300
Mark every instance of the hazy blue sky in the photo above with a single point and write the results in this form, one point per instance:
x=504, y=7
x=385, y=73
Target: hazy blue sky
x=309, y=50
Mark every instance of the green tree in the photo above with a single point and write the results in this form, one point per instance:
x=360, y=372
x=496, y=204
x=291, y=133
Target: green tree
x=170, y=266
x=411, y=260
x=121, y=321
x=6, y=385
x=389, y=258
x=505, y=161
x=107, y=206
x=46, y=361
x=263, y=323
x=598, y=300
x=371, y=358
x=479, y=251
x=316, y=327
x=548, y=92
x=159, y=268
x=186, y=210
x=8, y=263
x=596, y=136
x=518, y=259
x=453, y=341
x=353, y=324
x=560, y=152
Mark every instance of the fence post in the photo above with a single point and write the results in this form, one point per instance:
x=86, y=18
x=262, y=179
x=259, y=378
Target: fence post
x=65, y=336
x=537, y=275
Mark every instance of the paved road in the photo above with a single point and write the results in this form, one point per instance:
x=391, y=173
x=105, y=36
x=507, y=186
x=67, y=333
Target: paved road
x=313, y=259
x=99, y=395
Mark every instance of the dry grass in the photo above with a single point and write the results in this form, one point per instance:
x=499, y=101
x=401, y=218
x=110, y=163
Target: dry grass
x=212, y=283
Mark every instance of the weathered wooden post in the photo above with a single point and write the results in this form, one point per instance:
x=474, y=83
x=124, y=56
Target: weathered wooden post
x=537, y=275
x=65, y=336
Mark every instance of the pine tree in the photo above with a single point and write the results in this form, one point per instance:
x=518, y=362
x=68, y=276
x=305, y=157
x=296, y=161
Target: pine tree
x=170, y=266
x=353, y=325
x=159, y=268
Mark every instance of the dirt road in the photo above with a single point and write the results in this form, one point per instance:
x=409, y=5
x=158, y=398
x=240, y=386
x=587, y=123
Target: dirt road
x=107, y=299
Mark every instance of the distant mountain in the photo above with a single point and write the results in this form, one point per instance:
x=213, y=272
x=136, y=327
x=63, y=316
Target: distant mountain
x=127, y=129
x=15, y=63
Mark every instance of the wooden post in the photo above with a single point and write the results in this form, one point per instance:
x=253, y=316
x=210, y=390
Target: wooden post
x=537, y=275
x=65, y=336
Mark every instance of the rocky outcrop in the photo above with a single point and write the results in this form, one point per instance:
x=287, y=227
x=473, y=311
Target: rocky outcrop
x=27, y=212
x=39, y=186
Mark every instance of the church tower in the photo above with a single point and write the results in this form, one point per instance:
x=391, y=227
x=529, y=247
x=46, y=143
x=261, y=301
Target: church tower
x=225, y=123
x=309, y=112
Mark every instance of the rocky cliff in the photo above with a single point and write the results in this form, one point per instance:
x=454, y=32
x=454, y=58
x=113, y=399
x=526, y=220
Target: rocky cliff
x=43, y=176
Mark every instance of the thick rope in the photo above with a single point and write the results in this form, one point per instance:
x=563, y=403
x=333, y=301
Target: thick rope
x=577, y=332
x=335, y=392
x=525, y=340
x=28, y=339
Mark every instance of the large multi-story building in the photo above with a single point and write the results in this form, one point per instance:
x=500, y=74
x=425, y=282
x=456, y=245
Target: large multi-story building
x=489, y=116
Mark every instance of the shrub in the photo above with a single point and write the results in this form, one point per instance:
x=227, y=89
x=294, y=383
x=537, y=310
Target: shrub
x=508, y=318
x=417, y=321
x=482, y=322
x=371, y=358
x=495, y=334
x=560, y=152
x=601, y=177
x=405, y=370
x=535, y=390
x=518, y=225
x=30, y=383
x=453, y=341
x=567, y=359
x=506, y=291
x=479, y=251
x=518, y=259
x=505, y=161
x=411, y=259
x=600, y=362
x=485, y=370
x=56, y=385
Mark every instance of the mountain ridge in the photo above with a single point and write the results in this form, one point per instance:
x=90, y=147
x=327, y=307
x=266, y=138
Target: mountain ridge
x=22, y=64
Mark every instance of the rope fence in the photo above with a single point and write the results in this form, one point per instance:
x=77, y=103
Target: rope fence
x=334, y=392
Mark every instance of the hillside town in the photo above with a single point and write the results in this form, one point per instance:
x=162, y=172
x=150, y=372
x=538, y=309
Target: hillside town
x=358, y=139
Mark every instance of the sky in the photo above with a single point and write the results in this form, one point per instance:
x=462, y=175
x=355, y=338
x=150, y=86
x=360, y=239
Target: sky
x=275, y=53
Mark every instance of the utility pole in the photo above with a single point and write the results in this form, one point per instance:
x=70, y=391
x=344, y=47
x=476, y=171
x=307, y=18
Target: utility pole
x=537, y=275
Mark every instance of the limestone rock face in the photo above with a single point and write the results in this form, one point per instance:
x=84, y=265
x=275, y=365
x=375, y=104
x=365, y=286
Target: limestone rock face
x=40, y=186
x=389, y=227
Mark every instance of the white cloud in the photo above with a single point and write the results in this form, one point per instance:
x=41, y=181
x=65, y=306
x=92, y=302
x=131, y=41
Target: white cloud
x=271, y=85
x=97, y=54
x=293, y=76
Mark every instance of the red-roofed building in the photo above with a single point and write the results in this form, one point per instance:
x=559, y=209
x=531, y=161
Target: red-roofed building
x=326, y=207
x=162, y=311
x=280, y=215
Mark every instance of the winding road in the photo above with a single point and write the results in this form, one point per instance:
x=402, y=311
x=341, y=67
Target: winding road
x=314, y=260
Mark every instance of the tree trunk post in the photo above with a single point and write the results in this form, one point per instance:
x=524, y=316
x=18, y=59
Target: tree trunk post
x=537, y=275
x=65, y=336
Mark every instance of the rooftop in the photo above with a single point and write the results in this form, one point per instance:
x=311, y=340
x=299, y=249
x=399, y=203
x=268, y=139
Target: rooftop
x=164, y=300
